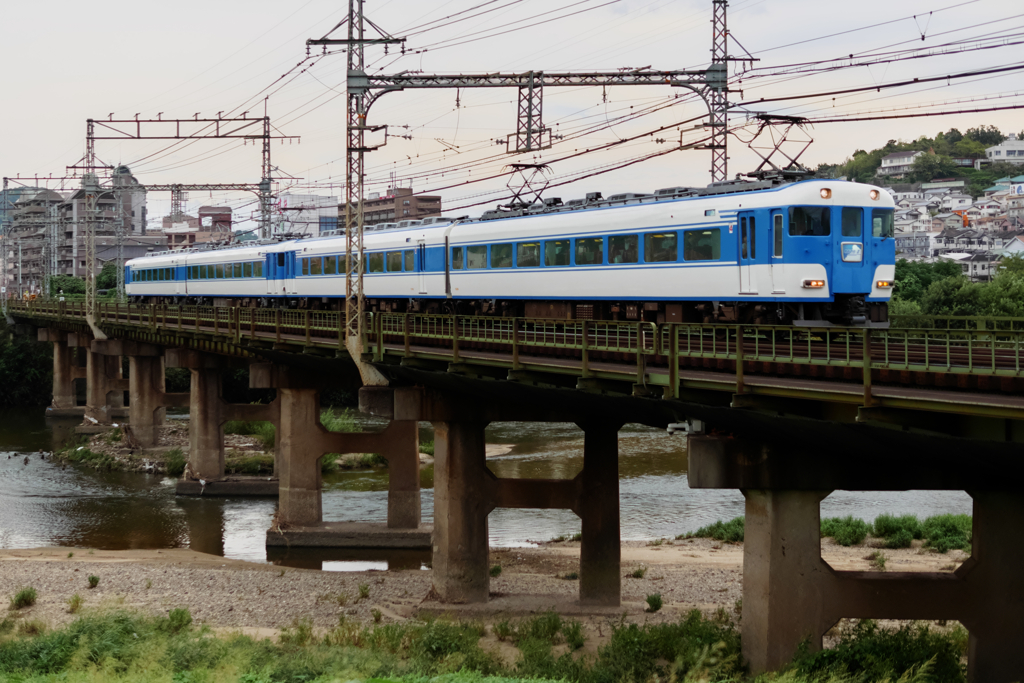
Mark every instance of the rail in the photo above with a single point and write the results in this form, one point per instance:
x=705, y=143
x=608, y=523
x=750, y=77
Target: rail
x=595, y=348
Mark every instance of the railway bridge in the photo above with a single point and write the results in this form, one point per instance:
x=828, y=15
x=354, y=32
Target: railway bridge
x=784, y=414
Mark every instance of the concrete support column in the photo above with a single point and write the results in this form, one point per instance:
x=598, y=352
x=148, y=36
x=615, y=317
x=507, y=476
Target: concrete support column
x=102, y=393
x=785, y=581
x=600, y=549
x=996, y=592
x=206, y=442
x=403, y=475
x=63, y=376
x=146, y=386
x=298, y=462
x=460, y=566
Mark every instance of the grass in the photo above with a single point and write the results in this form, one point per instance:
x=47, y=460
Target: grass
x=94, y=581
x=118, y=647
x=427, y=448
x=571, y=576
x=947, y=532
x=26, y=597
x=264, y=432
x=237, y=462
x=654, y=602
x=731, y=531
x=495, y=570
x=846, y=531
x=364, y=591
x=637, y=573
x=877, y=560
x=75, y=603
x=174, y=462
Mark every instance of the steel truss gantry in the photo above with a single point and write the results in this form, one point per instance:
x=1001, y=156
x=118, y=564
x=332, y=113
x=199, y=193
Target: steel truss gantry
x=363, y=89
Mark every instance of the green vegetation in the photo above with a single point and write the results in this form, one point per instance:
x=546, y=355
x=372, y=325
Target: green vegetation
x=264, y=432
x=237, y=463
x=427, y=448
x=638, y=573
x=936, y=162
x=26, y=369
x=26, y=597
x=571, y=576
x=731, y=531
x=175, y=462
x=495, y=570
x=877, y=560
x=654, y=602
x=845, y=530
x=119, y=647
x=75, y=603
x=947, y=532
x=941, y=289
x=93, y=581
x=364, y=591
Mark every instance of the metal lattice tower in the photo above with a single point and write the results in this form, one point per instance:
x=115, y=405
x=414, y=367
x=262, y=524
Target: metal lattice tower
x=91, y=191
x=718, y=102
x=5, y=238
x=530, y=129
x=178, y=199
x=266, y=194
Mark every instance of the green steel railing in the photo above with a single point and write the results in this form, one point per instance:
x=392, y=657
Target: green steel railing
x=990, y=347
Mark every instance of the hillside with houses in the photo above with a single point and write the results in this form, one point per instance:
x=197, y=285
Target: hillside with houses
x=959, y=197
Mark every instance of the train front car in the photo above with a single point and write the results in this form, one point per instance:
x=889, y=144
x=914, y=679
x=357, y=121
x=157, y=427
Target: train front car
x=834, y=244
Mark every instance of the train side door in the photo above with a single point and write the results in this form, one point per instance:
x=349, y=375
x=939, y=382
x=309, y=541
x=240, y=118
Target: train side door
x=848, y=259
x=421, y=265
x=748, y=244
x=778, y=262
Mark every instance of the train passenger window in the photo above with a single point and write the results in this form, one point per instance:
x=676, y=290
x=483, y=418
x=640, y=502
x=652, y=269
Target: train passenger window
x=220, y=271
x=853, y=219
x=660, y=246
x=305, y=266
x=376, y=262
x=247, y=269
x=238, y=269
x=159, y=274
x=410, y=260
x=623, y=249
x=280, y=260
x=394, y=262
x=882, y=223
x=258, y=268
x=315, y=266
x=202, y=272
x=702, y=245
x=476, y=257
x=330, y=265
x=590, y=251
x=743, y=237
x=227, y=270
x=556, y=253
x=457, y=262
x=815, y=221
x=753, y=238
x=501, y=256
x=777, y=235
x=528, y=254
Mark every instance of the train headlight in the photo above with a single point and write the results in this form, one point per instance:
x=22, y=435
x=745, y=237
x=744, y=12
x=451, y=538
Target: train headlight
x=826, y=193
x=813, y=284
x=874, y=194
x=884, y=284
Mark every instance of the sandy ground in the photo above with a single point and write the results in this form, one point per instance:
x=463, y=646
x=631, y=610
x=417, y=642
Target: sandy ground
x=260, y=598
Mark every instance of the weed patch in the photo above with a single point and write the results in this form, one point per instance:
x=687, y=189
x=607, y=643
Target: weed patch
x=261, y=463
x=93, y=581
x=174, y=462
x=638, y=573
x=877, y=560
x=731, y=531
x=654, y=602
x=947, y=532
x=26, y=597
x=75, y=603
x=846, y=531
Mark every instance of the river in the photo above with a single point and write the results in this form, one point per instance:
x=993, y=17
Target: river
x=43, y=503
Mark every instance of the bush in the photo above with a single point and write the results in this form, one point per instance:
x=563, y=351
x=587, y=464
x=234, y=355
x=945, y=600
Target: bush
x=495, y=570
x=731, y=531
x=178, y=619
x=249, y=464
x=175, y=462
x=26, y=369
x=26, y=597
x=265, y=432
x=947, y=532
x=887, y=525
x=74, y=603
x=900, y=539
x=654, y=602
x=846, y=531
x=638, y=573
x=869, y=653
x=94, y=581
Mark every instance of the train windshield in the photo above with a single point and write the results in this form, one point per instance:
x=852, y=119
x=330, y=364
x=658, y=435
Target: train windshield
x=810, y=220
x=882, y=223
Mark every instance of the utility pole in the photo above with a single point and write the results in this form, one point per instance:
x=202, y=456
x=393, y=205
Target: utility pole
x=5, y=234
x=718, y=104
x=531, y=135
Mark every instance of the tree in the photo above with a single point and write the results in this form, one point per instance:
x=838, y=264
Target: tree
x=928, y=166
x=107, y=279
x=952, y=296
x=969, y=148
x=986, y=135
x=1004, y=296
x=68, y=284
x=954, y=136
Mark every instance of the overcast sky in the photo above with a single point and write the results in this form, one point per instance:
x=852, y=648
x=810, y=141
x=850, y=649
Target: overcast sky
x=68, y=61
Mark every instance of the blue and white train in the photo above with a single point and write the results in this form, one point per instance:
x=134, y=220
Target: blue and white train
x=811, y=252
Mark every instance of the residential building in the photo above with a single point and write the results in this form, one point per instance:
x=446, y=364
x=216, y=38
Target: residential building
x=1010, y=150
x=912, y=245
x=213, y=224
x=898, y=164
x=305, y=214
x=397, y=204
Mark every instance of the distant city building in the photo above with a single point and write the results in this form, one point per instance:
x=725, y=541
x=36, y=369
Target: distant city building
x=397, y=204
x=213, y=224
x=305, y=214
x=1010, y=150
x=898, y=164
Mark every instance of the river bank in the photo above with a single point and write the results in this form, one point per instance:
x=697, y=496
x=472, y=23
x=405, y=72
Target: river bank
x=223, y=593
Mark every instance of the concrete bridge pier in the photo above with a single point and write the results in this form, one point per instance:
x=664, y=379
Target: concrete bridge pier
x=65, y=371
x=104, y=384
x=303, y=441
x=790, y=594
x=208, y=412
x=466, y=491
